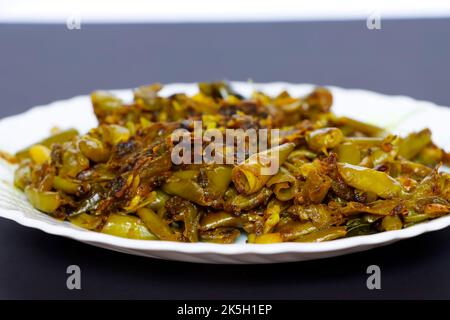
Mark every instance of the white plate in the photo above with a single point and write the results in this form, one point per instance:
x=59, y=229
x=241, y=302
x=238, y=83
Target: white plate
x=399, y=114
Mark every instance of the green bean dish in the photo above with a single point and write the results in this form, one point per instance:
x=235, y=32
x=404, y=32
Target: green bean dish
x=143, y=172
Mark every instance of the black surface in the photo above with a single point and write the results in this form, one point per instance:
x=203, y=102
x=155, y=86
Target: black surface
x=39, y=64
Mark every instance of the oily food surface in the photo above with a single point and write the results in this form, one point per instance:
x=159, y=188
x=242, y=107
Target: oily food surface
x=337, y=177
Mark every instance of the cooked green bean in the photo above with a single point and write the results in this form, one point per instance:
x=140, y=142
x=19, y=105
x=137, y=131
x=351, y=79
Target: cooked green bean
x=331, y=233
x=91, y=222
x=321, y=99
x=284, y=185
x=378, y=207
x=156, y=225
x=249, y=177
x=325, y=138
x=49, y=142
x=22, y=176
x=220, y=235
x=106, y=104
x=44, y=201
x=219, y=179
x=265, y=238
x=94, y=149
x=179, y=184
x=73, y=162
x=188, y=213
x=431, y=156
x=316, y=187
x=319, y=214
x=391, y=223
x=365, y=142
x=272, y=214
x=414, y=143
x=358, y=126
x=295, y=229
x=241, y=202
x=159, y=200
x=413, y=218
x=66, y=185
x=349, y=152
x=127, y=227
x=370, y=180
x=220, y=219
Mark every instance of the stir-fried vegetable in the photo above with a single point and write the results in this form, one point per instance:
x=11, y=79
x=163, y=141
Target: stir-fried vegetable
x=322, y=178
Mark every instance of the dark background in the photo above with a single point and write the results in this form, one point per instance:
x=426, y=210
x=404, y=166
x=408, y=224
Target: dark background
x=40, y=63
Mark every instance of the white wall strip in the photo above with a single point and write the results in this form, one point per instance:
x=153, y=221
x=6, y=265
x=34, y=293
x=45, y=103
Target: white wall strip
x=123, y=11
